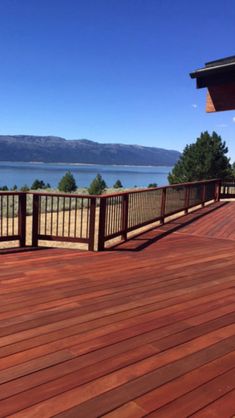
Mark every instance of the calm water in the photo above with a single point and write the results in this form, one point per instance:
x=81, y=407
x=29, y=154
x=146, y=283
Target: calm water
x=25, y=173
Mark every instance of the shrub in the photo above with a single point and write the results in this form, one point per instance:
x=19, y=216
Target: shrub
x=118, y=185
x=24, y=188
x=38, y=184
x=152, y=185
x=97, y=186
x=4, y=188
x=67, y=184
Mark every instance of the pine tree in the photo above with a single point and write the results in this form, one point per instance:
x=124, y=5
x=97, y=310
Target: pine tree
x=38, y=184
x=118, y=185
x=205, y=159
x=97, y=186
x=151, y=185
x=67, y=184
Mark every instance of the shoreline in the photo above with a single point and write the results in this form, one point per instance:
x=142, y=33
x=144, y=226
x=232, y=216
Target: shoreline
x=83, y=164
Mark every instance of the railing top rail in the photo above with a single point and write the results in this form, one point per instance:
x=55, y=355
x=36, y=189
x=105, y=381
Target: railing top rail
x=11, y=193
x=58, y=194
x=158, y=188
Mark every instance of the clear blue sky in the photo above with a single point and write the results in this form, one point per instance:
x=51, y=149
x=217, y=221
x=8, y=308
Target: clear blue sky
x=112, y=70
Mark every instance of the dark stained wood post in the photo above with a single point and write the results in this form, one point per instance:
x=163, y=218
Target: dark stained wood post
x=125, y=204
x=224, y=189
x=163, y=205
x=203, y=194
x=218, y=190
x=102, y=218
x=92, y=224
x=22, y=219
x=35, y=220
x=186, y=199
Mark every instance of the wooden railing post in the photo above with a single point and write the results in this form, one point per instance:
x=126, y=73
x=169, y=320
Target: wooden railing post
x=163, y=205
x=218, y=190
x=92, y=224
x=35, y=220
x=125, y=204
x=203, y=194
x=22, y=219
x=186, y=199
x=102, y=218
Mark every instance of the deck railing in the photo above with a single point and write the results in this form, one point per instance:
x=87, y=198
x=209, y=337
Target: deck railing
x=124, y=212
x=228, y=189
x=64, y=217
x=13, y=217
x=94, y=220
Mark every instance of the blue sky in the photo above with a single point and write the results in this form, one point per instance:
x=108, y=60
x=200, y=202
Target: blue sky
x=112, y=70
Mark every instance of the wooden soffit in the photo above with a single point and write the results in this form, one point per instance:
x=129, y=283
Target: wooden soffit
x=218, y=77
x=220, y=98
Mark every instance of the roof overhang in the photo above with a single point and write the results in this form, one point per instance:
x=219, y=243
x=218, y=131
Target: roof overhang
x=219, y=79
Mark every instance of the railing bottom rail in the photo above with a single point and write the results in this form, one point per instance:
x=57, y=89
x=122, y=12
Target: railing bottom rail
x=94, y=220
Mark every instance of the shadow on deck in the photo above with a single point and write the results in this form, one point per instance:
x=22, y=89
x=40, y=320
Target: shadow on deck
x=143, y=240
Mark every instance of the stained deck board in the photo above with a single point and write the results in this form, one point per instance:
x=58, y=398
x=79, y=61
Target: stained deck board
x=147, y=328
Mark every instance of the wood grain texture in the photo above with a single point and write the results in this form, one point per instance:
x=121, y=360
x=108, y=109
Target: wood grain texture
x=220, y=98
x=147, y=328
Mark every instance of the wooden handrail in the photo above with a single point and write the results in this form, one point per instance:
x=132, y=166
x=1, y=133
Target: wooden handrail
x=170, y=186
x=12, y=193
x=124, y=211
x=109, y=215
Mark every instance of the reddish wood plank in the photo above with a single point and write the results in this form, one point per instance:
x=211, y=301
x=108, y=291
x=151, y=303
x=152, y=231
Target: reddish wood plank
x=222, y=407
x=198, y=398
x=126, y=332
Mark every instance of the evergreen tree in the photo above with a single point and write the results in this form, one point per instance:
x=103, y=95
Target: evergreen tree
x=118, y=185
x=233, y=171
x=67, y=184
x=97, y=186
x=24, y=188
x=151, y=185
x=205, y=159
x=38, y=184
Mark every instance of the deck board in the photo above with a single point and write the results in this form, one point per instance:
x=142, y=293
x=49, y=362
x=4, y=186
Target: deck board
x=144, y=329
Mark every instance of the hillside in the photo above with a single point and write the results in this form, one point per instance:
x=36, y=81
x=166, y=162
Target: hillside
x=54, y=149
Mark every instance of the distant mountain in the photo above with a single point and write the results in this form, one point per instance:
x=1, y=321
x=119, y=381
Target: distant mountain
x=50, y=149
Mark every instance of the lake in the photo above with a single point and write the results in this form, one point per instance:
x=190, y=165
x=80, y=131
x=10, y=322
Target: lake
x=17, y=173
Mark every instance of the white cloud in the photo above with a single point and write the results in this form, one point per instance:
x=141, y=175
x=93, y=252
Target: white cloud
x=234, y=119
x=194, y=105
x=222, y=125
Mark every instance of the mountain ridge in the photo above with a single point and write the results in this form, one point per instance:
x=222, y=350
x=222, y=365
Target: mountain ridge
x=53, y=149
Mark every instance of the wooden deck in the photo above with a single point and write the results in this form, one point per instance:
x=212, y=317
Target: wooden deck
x=147, y=329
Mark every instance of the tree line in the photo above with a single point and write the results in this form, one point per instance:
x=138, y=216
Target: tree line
x=67, y=184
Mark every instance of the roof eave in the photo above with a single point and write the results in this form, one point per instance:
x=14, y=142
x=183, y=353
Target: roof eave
x=207, y=71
